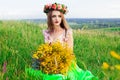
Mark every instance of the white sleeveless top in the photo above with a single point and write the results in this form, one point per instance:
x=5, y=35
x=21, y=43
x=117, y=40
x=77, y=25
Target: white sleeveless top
x=61, y=37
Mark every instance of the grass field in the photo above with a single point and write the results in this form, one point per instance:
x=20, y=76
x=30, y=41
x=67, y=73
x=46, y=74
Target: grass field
x=18, y=41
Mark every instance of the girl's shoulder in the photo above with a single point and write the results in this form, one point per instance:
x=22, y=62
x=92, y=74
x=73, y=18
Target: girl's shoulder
x=45, y=32
x=69, y=31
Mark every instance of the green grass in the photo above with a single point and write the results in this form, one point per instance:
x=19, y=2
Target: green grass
x=92, y=48
x=111, y=29
x=18, y=41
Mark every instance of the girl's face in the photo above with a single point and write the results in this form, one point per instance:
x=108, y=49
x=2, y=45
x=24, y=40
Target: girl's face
x=56, y=18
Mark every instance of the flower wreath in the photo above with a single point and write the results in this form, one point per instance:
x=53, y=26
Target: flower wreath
x=55, y=6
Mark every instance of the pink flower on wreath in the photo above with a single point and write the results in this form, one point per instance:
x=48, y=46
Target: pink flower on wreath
x=46, y=6
x=54, y=6
x=59, y=6
x=50, y=5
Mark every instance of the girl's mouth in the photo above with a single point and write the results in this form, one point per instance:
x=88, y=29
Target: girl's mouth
x=56, y=21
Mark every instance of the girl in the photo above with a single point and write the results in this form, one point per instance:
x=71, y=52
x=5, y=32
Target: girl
x=59, y=30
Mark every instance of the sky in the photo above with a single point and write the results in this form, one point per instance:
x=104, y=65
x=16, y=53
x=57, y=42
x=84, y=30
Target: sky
x=33, y=9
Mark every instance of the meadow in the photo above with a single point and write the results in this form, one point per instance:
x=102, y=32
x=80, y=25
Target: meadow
x=92, y=48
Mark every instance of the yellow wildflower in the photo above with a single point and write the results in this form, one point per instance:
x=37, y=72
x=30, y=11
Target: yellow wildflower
x=115, y=55
x=117, y=67
x=54, y=58
x=35, y=56
x=105, y=65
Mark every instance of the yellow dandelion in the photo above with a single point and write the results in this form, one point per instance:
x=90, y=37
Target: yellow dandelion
x=117, y=67
x=105, y=65
x=35, y=56
x=115, y=55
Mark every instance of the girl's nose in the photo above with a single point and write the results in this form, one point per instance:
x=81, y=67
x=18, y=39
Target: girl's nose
x=57, y=18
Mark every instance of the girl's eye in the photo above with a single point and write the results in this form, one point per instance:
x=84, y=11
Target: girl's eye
x=59, y=16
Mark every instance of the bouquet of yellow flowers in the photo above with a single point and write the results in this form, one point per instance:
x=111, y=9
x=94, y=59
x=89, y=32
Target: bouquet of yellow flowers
x=54, y=58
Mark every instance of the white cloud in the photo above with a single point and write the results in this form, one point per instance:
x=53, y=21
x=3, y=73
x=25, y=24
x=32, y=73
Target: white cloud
x=77, y=8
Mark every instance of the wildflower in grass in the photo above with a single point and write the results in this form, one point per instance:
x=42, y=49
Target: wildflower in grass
x=4, y=66
x=54, y=58
x=115, y=55
x=35, y=56
x=105, y=65
x=7, y=78
x=117, y=67
x=112, y=67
